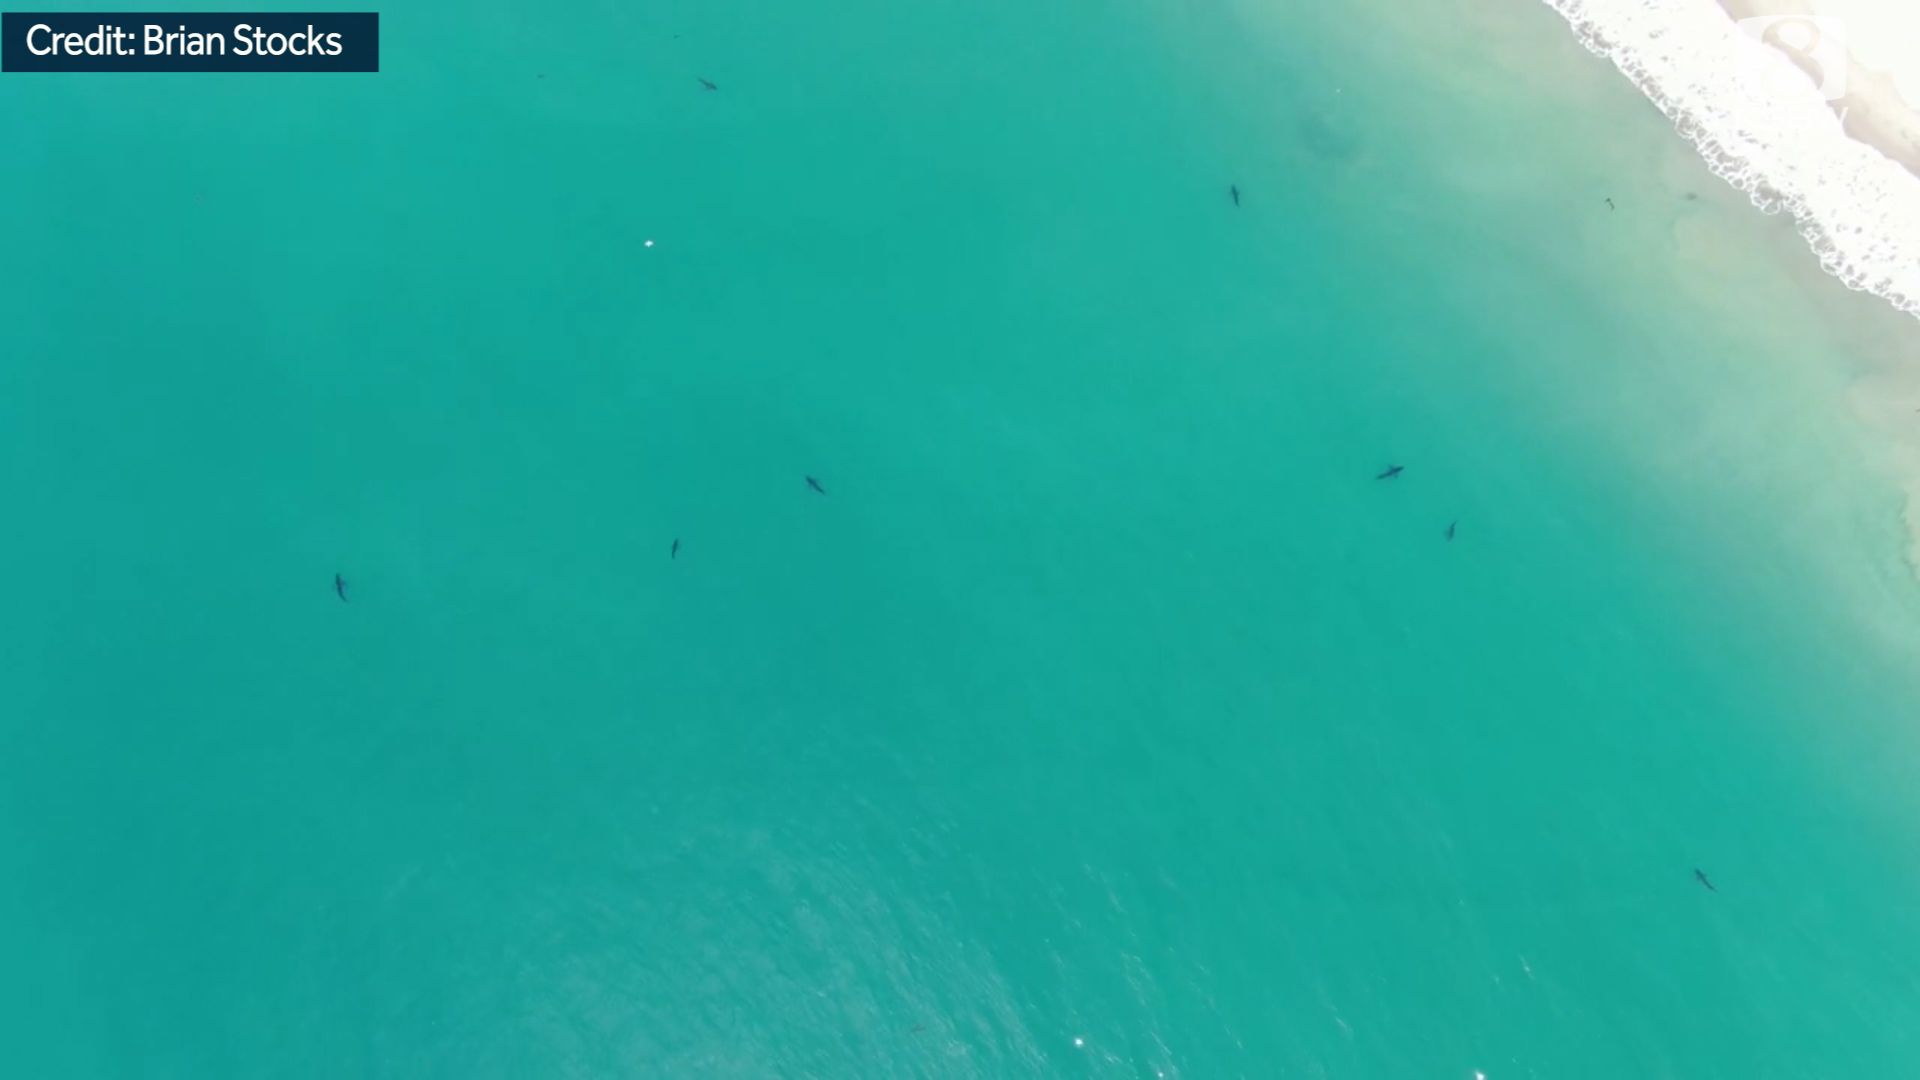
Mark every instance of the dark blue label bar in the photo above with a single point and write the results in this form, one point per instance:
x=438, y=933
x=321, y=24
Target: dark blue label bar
x=175, y=41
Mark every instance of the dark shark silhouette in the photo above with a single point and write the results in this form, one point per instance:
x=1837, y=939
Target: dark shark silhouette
x=708, y=85
x=1451, y=525
x=815, y=485
x=340, y=587
x=675, y=552
x=1234, y=190
x=1701, y=875
x=1391, y=472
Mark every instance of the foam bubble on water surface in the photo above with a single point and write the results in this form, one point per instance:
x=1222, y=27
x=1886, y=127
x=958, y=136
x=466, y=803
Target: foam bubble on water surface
x=1768, y=128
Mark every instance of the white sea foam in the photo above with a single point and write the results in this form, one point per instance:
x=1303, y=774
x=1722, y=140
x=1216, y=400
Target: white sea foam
x=1764, y=126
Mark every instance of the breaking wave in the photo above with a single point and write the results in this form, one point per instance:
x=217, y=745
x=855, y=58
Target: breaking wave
x=1766, y=126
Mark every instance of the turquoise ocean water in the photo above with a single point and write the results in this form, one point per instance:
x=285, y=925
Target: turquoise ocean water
x=1105, y=718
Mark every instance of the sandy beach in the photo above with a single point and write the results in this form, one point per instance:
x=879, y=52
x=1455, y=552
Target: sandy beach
x=1877, y=46
x=1881, y=44
x=1777, y=104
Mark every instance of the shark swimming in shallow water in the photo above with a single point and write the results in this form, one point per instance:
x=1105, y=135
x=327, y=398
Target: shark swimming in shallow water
x=674, y=553
x=340, y=587
x=1391, y=472
x=1234, y=190
x=1701, y=875
x=815, y=485
x=1451, y=525
x=708, y=85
